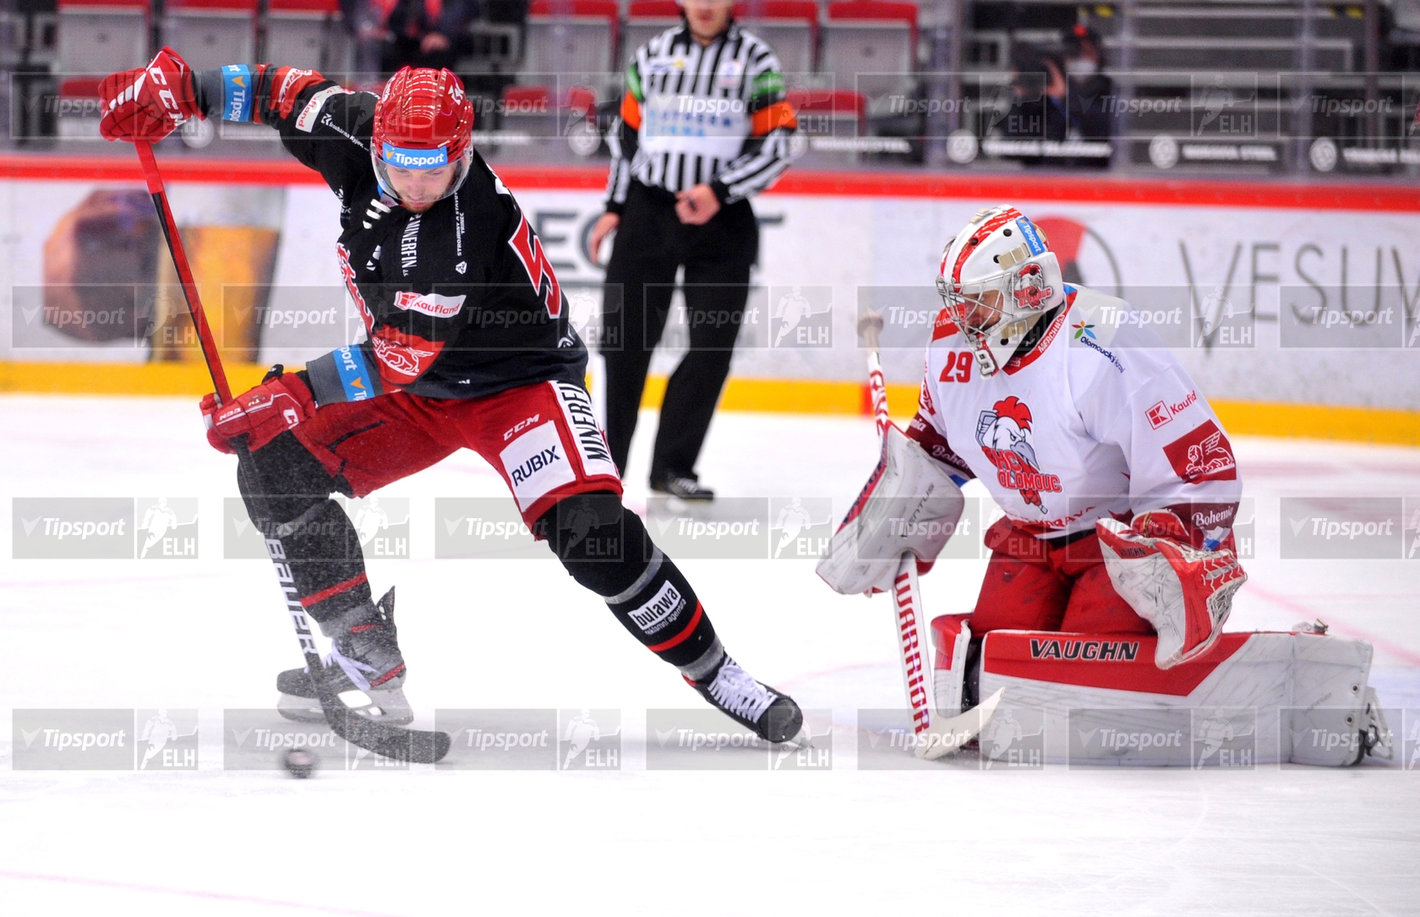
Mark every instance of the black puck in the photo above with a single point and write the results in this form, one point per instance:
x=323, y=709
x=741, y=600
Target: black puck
x=299, y=762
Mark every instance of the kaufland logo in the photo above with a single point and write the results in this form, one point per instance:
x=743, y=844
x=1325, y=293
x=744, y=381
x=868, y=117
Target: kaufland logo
x=415, y=159
x=1162, y=412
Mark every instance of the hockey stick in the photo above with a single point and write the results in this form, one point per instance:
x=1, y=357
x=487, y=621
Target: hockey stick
x=381, y=738
x=945, y=735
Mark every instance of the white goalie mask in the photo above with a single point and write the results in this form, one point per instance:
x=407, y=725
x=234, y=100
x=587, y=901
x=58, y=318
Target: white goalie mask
x=998, y=278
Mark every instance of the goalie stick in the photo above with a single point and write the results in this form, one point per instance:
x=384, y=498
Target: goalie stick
x=420, y=746
x=933, y=739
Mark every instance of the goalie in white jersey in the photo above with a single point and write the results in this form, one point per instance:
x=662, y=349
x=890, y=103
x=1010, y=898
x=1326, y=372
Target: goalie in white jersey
x=1117, y=480
x=1119, y=489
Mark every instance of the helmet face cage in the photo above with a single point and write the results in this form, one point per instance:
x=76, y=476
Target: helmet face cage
x=999, y=252
x=423, y=120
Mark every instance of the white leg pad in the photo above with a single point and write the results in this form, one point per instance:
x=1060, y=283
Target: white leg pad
x=951, y=636
x=1255, y=698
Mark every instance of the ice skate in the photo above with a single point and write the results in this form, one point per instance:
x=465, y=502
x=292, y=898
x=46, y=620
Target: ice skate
x=364, y=659
x=682, y=486
x=771, y=714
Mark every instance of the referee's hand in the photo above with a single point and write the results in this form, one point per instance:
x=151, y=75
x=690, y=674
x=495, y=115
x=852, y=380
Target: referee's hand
x=604, y=226
x=696, y=206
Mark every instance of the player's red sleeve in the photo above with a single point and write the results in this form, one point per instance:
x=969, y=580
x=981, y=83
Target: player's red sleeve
x=279, y=87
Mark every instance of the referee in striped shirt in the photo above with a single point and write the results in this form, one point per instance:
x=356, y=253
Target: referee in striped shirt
x=704, y=125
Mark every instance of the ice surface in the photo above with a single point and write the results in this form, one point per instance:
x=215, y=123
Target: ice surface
x=208, y=635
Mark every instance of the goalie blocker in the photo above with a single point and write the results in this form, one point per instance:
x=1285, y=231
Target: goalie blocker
x=1253, y=698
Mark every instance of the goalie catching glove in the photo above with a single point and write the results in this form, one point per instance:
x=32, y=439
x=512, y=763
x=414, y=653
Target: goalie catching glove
x=910, y=505
x=1186, y=593
x=260, y=414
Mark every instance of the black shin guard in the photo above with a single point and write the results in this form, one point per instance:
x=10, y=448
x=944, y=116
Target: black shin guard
x=318, y=539
x=608, y=551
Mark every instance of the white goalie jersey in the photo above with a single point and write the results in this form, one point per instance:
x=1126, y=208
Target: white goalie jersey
x=1094, y=418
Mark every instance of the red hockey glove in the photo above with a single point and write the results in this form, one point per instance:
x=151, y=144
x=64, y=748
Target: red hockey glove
x=148, y=103
x=261, y=414
x=1184, y=592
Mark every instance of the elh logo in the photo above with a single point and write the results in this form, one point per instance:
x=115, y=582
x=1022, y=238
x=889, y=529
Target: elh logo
x=801, y=317
x=167, y=528
x=167, y=739
x=381, y=524
x=589, y=740
x=800, y=527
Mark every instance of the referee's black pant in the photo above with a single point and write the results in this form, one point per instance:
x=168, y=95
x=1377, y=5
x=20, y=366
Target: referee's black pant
x=650, y=245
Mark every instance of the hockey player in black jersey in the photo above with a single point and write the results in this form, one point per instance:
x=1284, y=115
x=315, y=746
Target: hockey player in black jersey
x=468, y=345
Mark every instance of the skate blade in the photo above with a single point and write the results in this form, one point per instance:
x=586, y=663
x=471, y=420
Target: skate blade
x=799, y=739
x=394, y=710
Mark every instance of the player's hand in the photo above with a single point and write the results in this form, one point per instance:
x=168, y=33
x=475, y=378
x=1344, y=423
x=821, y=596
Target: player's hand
x=696, y=206
x=260, y=414
x=1186, y=593
x=605, y=225
x=148, y=103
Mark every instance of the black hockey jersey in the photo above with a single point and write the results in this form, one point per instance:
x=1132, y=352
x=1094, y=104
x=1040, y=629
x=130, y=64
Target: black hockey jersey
x=459, y=301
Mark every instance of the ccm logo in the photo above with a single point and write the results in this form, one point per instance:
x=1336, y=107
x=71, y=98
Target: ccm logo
x=165, y=95
x=520, y=426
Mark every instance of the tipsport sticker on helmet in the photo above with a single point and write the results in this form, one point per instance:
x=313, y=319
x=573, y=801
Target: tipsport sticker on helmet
x=236, y=92
x=1033, y=239
x=406, y=158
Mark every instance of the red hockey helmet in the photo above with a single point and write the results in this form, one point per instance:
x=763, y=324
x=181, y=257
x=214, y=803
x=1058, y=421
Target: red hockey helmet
x=423, y=120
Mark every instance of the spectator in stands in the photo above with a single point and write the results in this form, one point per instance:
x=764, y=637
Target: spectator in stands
x=1038, y=109
x=390, y=34
x=1088, y=90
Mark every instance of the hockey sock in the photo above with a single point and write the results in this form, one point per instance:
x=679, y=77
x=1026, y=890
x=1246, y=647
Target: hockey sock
x=312, y=532
x=608, y=551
